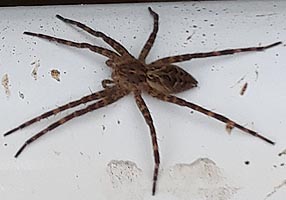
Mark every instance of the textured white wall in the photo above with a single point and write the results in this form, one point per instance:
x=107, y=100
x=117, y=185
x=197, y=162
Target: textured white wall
x=82, y=159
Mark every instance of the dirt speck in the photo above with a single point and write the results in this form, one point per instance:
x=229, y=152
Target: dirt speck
x=5, y=84
x=55, y=74
x=21, y=95
x=282, y=153
x=243, y=89
x=246, y=162
x=229, y=127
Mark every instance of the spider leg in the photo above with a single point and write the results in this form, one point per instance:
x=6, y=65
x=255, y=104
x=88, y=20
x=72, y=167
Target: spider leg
x=113, y=43
x=88, y=98
x=96, y=49
x=149, y=43
x=146, y=114
x=99, y=104
x=230, y=124
x=185, y=57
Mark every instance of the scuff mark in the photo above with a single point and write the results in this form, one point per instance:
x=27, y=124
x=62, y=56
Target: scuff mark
x=275, y=189
x=243, y=89
x=282, y=153
x=122, y=172
x=190, y=37
x=237, y=82
x=5, y=84
x=264, y=15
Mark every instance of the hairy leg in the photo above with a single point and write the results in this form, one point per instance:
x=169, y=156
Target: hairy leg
x=185, y=57
x=113, y=43
x=149, y=43
x=99, y=104
x=105, y=52
x=86, y=99
x=230, y=123
x=147, y=116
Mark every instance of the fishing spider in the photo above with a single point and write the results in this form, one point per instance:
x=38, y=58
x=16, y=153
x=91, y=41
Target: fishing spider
x=160, y=79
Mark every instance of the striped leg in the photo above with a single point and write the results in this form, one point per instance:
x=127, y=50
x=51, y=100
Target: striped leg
x=113, y=43
x=230, y=124
x=96, y=49
x=149, y=43
x=88, y=98
x=99, y=104
x=185, y=57
x=146, y=114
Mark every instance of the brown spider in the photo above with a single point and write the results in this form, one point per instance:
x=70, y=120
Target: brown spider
x=159, y=79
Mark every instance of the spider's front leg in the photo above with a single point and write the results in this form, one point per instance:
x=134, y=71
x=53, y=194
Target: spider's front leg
x=105, y=52
x=230, y=123
x=147, y=116
x=113, y=43
x=149, y=43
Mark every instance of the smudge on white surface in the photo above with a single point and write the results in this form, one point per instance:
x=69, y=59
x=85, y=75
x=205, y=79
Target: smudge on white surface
x=202, y=179
x=5, y=84
x=35, y=69
x=126, y=179
x=276, y=189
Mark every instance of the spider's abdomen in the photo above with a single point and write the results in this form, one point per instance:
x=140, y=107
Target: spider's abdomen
x=170, y=79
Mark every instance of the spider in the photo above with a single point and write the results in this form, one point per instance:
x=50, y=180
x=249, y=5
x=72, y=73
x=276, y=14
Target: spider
x=160, y=79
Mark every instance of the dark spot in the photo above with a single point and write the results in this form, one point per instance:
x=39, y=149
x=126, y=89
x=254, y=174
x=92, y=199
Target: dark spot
x=5, y=144
x=246, y=162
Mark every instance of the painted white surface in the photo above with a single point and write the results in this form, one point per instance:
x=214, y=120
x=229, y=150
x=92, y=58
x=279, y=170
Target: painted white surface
x=73, y=162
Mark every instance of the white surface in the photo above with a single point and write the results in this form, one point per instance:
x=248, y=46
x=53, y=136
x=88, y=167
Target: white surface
x=75, y=160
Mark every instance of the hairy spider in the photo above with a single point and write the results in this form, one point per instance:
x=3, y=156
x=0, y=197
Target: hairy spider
x=160, y=79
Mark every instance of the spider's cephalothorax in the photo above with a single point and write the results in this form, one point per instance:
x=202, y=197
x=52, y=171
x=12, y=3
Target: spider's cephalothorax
x=159, y=79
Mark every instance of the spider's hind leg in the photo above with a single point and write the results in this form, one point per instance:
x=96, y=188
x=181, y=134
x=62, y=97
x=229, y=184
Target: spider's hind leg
x=55, y=111
x=105, y=52
x=230, y=123
x=113, y=43
x=109, y=99
x=147, y=116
